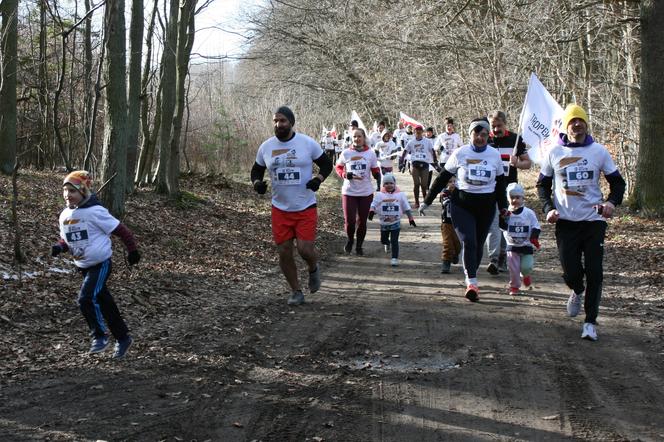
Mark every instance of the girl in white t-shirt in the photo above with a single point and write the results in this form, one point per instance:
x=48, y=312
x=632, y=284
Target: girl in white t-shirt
x=390, y=203
x=356, y=165
x=386, y=151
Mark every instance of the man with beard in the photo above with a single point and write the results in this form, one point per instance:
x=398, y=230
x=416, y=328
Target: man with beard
x=289, y=157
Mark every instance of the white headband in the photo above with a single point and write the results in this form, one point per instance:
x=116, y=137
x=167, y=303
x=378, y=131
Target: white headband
x=480, y=123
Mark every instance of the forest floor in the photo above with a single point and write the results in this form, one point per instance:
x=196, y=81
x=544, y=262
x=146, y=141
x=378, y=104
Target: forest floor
x=379, y=353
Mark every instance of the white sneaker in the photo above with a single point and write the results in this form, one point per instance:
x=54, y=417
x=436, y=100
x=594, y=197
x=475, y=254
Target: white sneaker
x=574, y=304
x=386, y=247
x=394, y=262
x=589, y=331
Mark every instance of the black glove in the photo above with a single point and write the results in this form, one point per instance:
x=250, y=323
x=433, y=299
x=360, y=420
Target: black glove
x=412, y=222
x=260, y=187
x=314, y=184
x=371, y=215
x=133, y=257
x=502, y=219
x=349, y=176
x=56, y=249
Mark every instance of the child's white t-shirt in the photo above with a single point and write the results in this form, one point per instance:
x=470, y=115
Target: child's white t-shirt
x=520, y=227
x=290, y=164
x=390, y=206
x=87, y=233
x=476, y=171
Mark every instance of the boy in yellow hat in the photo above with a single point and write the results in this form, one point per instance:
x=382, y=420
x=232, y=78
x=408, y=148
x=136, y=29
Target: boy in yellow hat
x=579, y=211
x=85, y=230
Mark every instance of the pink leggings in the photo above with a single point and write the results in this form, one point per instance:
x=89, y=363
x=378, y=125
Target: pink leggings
x=356, y=211
x=519, y=264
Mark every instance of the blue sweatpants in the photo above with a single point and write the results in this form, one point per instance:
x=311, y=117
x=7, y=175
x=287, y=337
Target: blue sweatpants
x=97, y=304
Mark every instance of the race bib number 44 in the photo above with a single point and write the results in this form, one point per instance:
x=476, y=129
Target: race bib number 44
x=287, y=176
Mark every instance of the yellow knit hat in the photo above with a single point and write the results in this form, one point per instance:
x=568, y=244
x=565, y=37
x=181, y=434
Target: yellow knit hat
x=81, y=180
x=573, y=111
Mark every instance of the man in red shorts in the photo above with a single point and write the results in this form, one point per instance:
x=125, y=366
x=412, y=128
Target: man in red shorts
x=289, y=157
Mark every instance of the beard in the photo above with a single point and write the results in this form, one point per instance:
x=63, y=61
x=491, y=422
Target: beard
x=282, y=132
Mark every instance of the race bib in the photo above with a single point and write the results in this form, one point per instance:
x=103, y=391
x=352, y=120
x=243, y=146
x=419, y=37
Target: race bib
x=478, y=174
x=358, y=167
x=287, y=176
x=389, y=209
x=579, y=176
x=419, y=156
x=520, y=233
x=76, y=236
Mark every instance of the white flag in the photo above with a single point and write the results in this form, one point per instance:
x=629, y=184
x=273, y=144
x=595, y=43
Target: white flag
x=409, y=121
x=540, y=120
x=360, y=124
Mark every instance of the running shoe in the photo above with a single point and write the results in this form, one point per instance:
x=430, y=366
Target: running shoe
x=492, y=268
x=297, y=298
x=527, y=281
x=98, y=345
x=472, y=293
x=514, y=291
x=574, y=304
x=348, y=248
x=122, y=346
x=394, y=262
x=314, y=280
x=445, y=268
x=589, y=332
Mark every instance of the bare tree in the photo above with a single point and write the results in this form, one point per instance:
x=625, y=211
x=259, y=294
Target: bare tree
x=8, y=66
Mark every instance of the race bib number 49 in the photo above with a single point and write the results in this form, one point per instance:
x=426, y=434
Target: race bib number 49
x=287, y=176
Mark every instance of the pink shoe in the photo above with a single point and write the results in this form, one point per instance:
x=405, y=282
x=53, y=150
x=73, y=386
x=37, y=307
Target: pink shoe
x=514, y=291
x=527, y=281
x=472, y=293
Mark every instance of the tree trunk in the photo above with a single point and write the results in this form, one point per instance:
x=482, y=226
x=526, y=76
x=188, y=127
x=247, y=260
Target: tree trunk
x=43, y=98
x=186, y=30
x=134, y=94
x=649, y=177
x=8, y=64
x=114, y=155
x=168, y=86
x=89, y=92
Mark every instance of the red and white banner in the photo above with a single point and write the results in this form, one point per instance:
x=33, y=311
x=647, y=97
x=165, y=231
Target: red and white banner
x=409, y=121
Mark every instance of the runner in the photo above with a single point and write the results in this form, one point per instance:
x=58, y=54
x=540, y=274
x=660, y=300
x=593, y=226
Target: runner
x=289, y=157
x=447, y=142
x=356, y=166
x=375, y=136
x=422, y=156
x=328, y=143
x=85, y=230
x=386, y=150
x=390, y=203
x=504, y=141
x=572, y=169
x=481, y=185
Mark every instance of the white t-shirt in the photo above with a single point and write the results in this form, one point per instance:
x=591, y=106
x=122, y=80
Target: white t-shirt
x=360, y=163
x=476, y=171
x=328, y=143
x=398, y=135
x=389, y=207
x=386, y=152
x=374, y=138
x=575, y=172
x=446, y=144
x=87, y=233
x=519, y=228
x=290, y=165
x=420, y=150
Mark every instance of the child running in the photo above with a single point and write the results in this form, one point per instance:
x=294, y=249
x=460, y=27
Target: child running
x=85, y=230
x=521, y=230
x=451, y=243
x=390, y=203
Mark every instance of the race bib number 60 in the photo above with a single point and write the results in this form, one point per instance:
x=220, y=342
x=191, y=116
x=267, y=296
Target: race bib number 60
x=579, y=176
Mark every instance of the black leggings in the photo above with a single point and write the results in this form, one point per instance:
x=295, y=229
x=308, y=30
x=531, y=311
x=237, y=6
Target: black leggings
x=472, y=215
x=391, y=238
x=576, y=239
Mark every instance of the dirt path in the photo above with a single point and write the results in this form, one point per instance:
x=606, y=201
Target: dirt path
x=380, y=353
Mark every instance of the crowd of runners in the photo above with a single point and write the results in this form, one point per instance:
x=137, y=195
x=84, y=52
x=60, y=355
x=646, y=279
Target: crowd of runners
x=482, y=202
x=483, y=205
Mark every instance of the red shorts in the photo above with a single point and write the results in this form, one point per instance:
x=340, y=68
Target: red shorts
x=289, y=225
